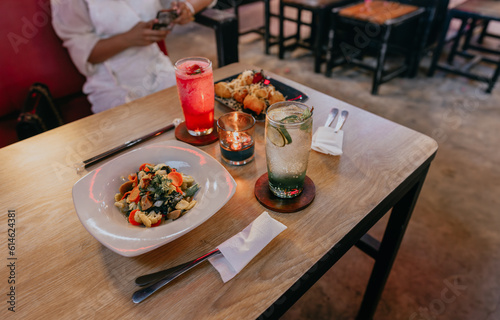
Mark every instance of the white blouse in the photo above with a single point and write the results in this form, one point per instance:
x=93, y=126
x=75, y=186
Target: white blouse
x=131, y=74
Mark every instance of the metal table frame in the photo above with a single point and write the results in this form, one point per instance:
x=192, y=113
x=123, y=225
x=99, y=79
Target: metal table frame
x=402, y=201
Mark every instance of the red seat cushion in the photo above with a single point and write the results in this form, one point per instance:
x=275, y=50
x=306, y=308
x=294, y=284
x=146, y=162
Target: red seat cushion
x=32, y=52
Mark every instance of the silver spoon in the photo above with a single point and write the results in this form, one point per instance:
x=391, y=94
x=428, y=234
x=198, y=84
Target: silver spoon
x=165, y=276
x=331, y=116
x=341, y=121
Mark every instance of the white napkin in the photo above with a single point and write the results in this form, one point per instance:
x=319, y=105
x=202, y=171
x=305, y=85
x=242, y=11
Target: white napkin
x=326, y=140
x=240, y=249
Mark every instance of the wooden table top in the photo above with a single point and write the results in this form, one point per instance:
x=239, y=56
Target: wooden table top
x=62, y=272
x=377, y=11
x=483, y=8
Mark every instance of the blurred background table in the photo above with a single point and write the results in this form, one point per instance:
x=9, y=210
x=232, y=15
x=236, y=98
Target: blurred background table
x=63, y=272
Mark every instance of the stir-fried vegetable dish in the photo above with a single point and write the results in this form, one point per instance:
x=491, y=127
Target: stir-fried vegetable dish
x=154, y=194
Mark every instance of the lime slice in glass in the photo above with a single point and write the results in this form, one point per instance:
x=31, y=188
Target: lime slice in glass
x=285, y=134
x=275, y=136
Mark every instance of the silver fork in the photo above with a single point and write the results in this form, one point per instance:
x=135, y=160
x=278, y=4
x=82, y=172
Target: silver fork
x=161, y=278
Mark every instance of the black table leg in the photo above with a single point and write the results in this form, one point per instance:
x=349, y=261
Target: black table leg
x=379, y=69
x=281, y=39
x=413, y=59
x=319, y=36
x=267, y=23
x=389, y=246
x=439, y=47
x=330, y=56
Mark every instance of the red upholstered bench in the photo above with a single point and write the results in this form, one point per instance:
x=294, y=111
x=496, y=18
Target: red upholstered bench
x=32, y=52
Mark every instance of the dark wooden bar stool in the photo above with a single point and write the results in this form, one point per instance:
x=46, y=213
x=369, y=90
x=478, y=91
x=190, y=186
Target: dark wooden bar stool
x=377, y=28
x=319, y=25
x=263, y=30
x=470, y=13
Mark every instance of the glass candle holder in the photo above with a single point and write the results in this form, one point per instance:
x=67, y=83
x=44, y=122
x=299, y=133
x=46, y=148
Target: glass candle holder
x=236, y=141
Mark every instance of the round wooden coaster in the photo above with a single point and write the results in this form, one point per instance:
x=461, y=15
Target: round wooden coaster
x=270, y=201
x=182, y=134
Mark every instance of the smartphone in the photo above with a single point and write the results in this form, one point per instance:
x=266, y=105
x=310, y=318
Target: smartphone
x=165, y=19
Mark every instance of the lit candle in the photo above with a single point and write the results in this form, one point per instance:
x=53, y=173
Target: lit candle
x=235, y=137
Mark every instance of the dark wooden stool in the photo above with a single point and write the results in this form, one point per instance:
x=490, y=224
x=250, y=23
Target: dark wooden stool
x=381, y=26
x=470, y=12
x=225, y=25
x=320, y=10
x=264, y=30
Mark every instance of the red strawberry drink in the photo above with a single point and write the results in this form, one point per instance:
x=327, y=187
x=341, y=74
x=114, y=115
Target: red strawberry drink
x=195, y=84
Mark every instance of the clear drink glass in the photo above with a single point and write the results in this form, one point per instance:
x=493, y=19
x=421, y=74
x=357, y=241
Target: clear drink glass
x=195, y=85
x=288, y=142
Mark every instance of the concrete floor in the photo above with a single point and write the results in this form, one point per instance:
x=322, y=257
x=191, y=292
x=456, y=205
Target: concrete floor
x=448, y=264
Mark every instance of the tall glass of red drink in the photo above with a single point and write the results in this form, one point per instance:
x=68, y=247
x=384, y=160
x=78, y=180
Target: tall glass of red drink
x=195, y=85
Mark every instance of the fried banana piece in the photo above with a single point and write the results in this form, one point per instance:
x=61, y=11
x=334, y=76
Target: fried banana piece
x=222, y=90
x=240, y=95
x=254, y=103
x=275, y=96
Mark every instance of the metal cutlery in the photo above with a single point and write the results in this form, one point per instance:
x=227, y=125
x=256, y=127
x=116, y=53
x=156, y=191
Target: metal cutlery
x=341, y=121
x=331, y=116
x=161, y=278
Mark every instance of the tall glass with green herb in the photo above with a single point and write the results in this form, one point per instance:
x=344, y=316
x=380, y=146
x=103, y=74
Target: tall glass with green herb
x=288, y=141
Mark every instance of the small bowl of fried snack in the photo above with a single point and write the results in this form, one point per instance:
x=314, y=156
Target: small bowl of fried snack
x=249, y=91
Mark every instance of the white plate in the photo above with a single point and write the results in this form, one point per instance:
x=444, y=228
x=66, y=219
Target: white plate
x=93, y=197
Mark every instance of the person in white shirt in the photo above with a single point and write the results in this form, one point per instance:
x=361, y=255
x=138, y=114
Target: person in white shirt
x=112, y=43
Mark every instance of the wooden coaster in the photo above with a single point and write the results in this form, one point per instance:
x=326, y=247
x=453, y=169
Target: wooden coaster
x=182, y=134
x=270, y=201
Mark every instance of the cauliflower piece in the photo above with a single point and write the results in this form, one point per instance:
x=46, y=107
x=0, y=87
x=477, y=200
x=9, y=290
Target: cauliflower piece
x=154, y=217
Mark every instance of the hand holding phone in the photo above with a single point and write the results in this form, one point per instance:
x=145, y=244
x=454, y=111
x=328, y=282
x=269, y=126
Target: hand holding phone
x=166, y=19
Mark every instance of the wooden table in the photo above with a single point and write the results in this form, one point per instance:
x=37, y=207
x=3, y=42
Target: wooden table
x=470, y=13
x=62, y=272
